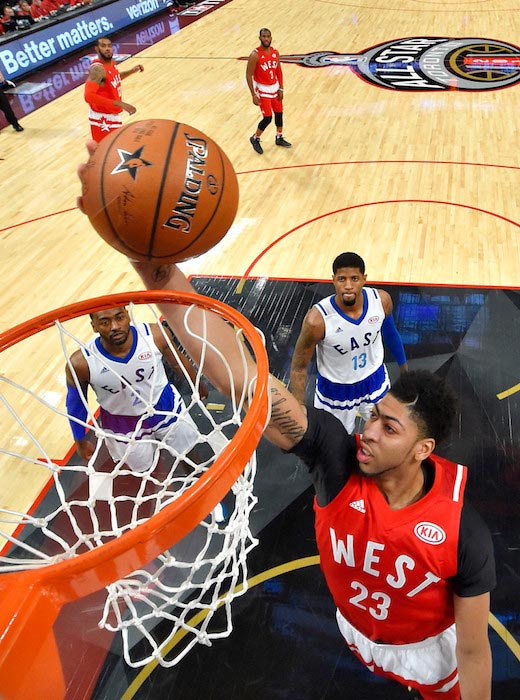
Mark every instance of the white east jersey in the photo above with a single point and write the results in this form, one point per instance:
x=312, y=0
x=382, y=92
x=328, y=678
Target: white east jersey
x=137, y=400
x=352, y=349
x=128, y=386
x=351, y=374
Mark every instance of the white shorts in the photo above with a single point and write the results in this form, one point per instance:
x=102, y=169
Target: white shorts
x=348, y=416
x=427, y=663
x=179, y=438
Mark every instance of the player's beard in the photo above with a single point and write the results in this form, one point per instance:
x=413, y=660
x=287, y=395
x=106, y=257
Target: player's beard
x=119, y=337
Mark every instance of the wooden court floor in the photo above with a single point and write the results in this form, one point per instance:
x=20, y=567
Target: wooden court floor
x=418, y=172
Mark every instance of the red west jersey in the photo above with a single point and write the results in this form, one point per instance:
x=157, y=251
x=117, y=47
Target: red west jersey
x=387, y=569
x=109, y=91
x=268, y=71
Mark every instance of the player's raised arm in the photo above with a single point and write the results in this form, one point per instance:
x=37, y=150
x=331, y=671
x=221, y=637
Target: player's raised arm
x=200, y=324
x=211, y=341
x=288, y=419
x=176, y=358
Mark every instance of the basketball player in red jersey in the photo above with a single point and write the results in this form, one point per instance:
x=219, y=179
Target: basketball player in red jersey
x=265, y=81
x=407, y=559
x=103, y=91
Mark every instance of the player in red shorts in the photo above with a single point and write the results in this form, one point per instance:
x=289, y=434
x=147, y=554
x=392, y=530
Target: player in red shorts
x=265, y=81
x=103, y=91
x=408, y=561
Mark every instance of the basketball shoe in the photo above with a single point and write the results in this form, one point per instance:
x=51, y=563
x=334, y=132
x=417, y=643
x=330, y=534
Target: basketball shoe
x=280, y=141
x=255, y=142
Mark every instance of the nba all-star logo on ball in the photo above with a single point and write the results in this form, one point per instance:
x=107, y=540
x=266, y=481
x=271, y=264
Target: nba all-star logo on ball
x=426, y=63
x=130, y=162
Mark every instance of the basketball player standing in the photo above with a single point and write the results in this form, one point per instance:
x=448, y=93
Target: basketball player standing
x=347, y=330
x=265, y=81
x=136, y=350
x=103, y=91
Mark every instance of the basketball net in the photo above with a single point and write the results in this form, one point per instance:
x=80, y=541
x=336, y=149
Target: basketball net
x=166, y=604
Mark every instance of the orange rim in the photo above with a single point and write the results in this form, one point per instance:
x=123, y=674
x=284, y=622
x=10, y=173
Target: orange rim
x=93, y=570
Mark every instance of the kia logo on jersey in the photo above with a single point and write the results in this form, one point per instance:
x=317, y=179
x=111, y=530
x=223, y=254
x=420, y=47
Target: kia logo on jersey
x=145, y=355
x=373, y=319
x=429, y=533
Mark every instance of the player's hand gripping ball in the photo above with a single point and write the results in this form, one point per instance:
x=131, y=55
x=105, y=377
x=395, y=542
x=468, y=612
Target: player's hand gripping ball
x=157, y=190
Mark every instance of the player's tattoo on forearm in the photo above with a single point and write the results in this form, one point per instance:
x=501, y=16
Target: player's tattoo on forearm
x=282, y=418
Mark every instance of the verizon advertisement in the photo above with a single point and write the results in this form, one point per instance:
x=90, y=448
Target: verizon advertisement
x=28, y=51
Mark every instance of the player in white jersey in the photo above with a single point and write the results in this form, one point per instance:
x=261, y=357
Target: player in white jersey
x=347, y=331
x=123, y=364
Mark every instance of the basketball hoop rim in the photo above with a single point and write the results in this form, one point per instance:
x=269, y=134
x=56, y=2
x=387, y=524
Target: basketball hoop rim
x=88, y=572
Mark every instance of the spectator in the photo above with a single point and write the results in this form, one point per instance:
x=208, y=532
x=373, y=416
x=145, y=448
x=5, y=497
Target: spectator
x=23, y=15
x=8, y=19
x=24, y=10
x=37, y=10
x=5, y=107
x=50, y=7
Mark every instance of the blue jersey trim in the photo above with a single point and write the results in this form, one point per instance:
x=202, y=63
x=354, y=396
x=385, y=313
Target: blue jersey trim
x=331, y=393
x=356, y=321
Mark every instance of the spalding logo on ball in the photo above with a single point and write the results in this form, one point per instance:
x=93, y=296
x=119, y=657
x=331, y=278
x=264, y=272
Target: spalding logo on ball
x=160, y=190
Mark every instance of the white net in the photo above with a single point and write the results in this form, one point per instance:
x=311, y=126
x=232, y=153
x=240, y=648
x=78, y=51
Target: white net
x=167, y=605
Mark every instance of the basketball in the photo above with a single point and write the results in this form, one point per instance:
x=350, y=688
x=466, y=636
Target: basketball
x=160, y=190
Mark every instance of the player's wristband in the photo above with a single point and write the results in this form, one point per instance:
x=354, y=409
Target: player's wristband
x=77, y=409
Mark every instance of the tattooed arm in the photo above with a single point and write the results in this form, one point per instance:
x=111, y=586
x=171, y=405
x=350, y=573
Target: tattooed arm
x=218, y=332
x=288, y=418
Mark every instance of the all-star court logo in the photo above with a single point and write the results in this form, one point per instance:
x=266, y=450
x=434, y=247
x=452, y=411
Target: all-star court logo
x=426, y=63
x=130, y=162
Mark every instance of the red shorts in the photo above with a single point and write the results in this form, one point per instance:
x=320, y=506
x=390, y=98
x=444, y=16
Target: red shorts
x=428, y=692
x=268, y=105
x=103, y=124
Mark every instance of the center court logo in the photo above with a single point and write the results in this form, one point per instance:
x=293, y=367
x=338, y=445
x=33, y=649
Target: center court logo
x=426, y=64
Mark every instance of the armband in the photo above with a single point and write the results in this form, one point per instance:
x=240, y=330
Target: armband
x=97, y=102
x=77, y=409
x=392, y=340
x=91, y=89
